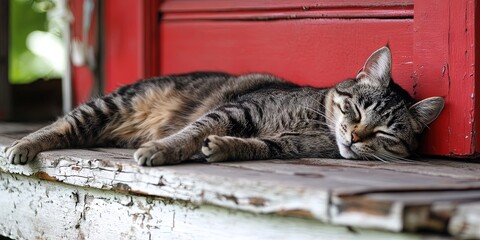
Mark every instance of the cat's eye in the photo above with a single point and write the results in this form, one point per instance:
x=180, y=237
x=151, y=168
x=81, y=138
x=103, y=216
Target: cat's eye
x=381, y=133
x=345, y=108
x=358, y=114
x=354, y=111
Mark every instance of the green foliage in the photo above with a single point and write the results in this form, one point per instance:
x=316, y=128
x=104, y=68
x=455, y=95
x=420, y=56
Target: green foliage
x=27, y=16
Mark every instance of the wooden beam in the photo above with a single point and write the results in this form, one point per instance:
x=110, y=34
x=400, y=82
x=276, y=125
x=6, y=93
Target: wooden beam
x=465, y=221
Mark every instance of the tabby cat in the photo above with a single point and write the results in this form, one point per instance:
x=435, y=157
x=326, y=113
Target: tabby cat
x=221, y=117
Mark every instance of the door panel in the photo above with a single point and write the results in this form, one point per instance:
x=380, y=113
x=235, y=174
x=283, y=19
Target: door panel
x=318, y=52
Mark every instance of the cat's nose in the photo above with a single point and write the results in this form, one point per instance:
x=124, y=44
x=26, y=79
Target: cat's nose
x=355, y=138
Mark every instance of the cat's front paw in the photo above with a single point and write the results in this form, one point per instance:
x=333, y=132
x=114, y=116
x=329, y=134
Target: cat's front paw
x=156, y=154
x=21, y=151
x=213, y=149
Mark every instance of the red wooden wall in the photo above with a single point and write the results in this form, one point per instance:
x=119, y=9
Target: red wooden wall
x=131, y=39
x=309, y=42
x=444, y=57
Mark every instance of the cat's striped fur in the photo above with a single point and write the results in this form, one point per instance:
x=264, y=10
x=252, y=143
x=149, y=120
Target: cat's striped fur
x=256, y=116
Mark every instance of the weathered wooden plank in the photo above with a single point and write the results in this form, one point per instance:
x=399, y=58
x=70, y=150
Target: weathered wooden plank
x=411, y=209
x=342, y=192
x=260, y=190
x=198, y=183
x=349, y=177
x=425, y=197
x=4, y=142
x=403, y=211
x=465, y=221
x=331, y=173
x=33, y=209
x=452, y=168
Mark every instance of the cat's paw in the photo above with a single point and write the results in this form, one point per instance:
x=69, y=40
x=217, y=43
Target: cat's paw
x=213, y=149
x=21, y=151
x=155, y=154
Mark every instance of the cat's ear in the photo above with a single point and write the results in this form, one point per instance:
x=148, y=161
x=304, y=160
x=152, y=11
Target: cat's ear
x=426, y=111
x=377, y=70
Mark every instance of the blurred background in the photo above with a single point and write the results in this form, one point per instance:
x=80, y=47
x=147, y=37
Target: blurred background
x=52, y=52
x=36, y=48
x=36, y=54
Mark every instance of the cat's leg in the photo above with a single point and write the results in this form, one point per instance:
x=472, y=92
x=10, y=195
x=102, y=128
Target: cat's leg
x=230, y=119
x=284, y=146
x=81, y=127
x=49, y=137
x=180, y=146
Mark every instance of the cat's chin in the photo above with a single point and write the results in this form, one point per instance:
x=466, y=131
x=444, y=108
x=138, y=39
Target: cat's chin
x=346, y=152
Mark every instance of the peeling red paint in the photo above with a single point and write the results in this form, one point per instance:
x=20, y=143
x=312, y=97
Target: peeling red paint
x=44, y=176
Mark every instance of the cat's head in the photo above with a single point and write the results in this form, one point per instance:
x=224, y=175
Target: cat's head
x=375, y=118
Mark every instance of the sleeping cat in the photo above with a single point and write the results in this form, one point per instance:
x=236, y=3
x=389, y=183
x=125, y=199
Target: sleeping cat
x=222, y=117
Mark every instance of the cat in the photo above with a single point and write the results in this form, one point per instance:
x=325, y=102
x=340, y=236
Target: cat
x=223, y=117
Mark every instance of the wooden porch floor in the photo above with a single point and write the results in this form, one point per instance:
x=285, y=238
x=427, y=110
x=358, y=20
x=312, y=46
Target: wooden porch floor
x=302, y=199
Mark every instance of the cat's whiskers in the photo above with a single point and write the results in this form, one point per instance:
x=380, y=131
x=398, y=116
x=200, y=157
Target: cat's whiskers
x=378, y=158
x=405, y=160
x=399, y=159
x=386, y=158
